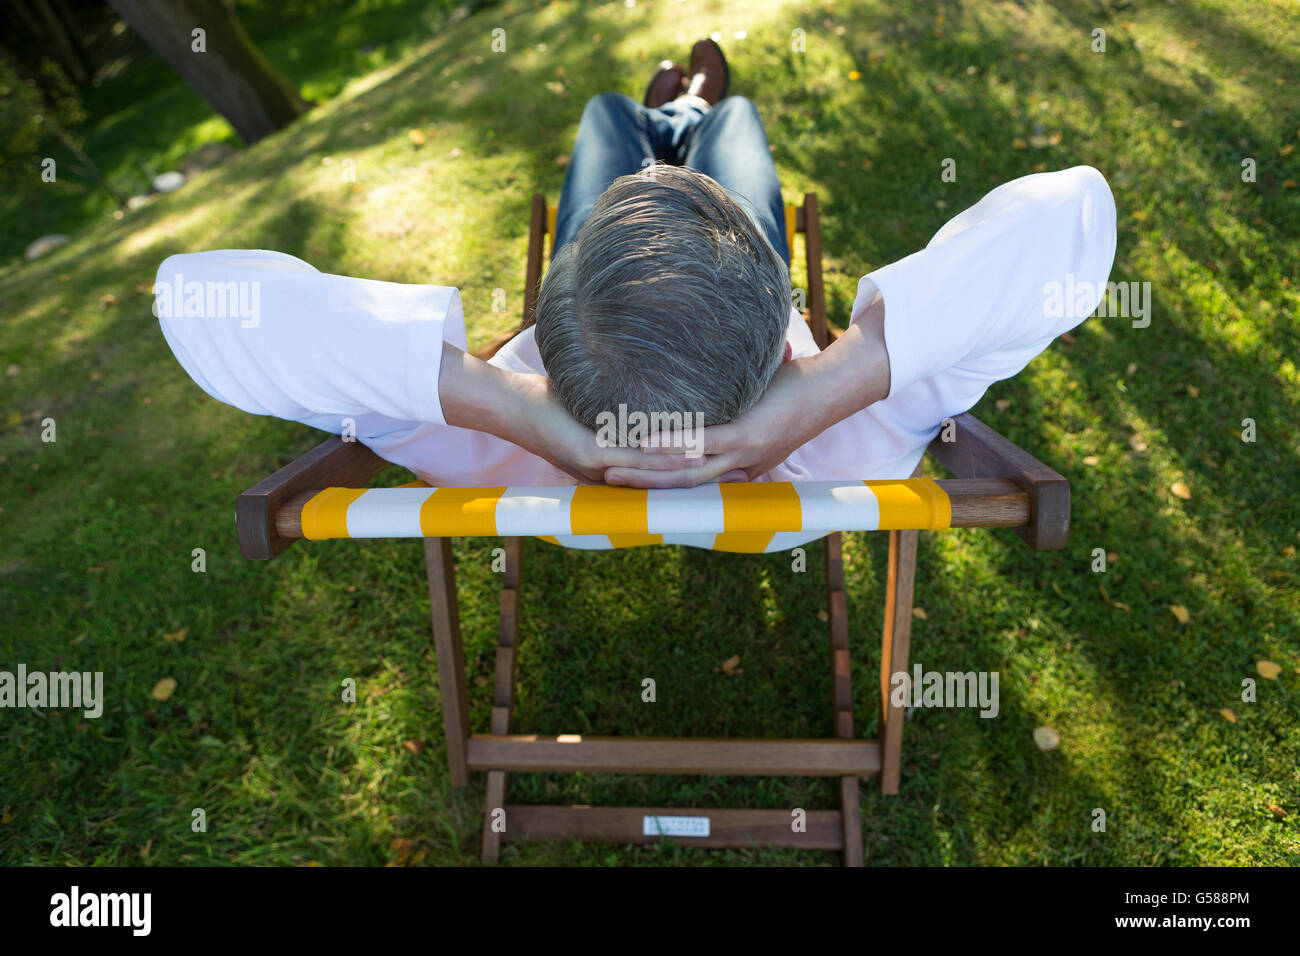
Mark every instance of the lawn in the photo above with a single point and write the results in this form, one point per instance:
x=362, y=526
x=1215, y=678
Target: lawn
x=100, y=525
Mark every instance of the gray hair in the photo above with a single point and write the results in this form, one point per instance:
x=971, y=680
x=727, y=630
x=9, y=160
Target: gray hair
x=669, y=300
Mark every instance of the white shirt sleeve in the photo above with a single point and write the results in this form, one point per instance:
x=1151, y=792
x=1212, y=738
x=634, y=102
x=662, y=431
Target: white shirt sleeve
x=980, y=286
x=989, y=292
x=268, y=333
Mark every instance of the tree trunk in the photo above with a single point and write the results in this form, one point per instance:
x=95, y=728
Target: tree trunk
x=231, y=74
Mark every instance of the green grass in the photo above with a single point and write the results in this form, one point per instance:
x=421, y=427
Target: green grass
x=99, y=527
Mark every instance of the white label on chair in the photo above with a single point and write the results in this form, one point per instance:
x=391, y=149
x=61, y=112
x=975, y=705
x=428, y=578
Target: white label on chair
x=675, y=826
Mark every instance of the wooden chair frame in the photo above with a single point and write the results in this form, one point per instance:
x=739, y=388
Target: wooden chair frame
x=1015, y=489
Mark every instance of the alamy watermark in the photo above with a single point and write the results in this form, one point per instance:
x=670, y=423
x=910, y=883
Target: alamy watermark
x=56, y=690
x=75, y=908
x=951, y=689
x=179, y=299
x=1078, y=298
x=667, y=429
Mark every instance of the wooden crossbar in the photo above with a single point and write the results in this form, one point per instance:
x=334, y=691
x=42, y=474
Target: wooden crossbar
x=822, y=829
x=819, y=757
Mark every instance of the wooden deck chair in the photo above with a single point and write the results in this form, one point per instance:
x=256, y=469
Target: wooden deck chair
x=322, y=495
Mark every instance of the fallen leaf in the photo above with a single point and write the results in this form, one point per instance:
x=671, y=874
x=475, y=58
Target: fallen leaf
x=1091, y=460
x=1139, y=215
x=1181, y=490
x=1002, y=404
x=1268, y=670
x=5, y=815
x=1067, y=338
x=823, y=615
x=1020, y=143
x=144, y=850
x=164, y=689
x=1180, y=612
x=176, y=637
x=1046, y=738
x=1271, y=807
x=1193, y=391
x=1132, y=367
x=1289, y=550
x=1228, y=715
x=919, y=614
x=1112, y=557
x=414, y=746
x=416, y=137
x=730, y=664
x=1106, y=597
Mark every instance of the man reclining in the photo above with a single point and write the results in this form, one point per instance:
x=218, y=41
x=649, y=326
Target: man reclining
x=669, y=294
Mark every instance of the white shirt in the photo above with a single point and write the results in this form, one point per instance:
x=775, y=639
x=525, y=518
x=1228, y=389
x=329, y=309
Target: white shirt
x=343, y=354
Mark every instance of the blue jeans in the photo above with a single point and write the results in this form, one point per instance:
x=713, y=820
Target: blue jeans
x=725, y=142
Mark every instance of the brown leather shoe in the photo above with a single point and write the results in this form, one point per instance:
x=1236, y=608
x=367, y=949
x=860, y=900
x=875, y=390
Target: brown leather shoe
x=708, y=75
x=665, y=85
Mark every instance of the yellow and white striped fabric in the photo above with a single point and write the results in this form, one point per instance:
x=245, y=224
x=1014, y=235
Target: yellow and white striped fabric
x=747, y=517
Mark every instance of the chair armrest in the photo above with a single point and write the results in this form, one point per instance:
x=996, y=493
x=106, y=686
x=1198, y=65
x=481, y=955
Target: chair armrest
x=980, y=452
x=332, y=463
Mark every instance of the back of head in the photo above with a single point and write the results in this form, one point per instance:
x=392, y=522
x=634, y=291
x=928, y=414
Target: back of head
x=669, y=300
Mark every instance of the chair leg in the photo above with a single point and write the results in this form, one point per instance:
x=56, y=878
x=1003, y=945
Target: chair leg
x=440, y=563
x=503, y=694
x=842, y=695
x=894, y=651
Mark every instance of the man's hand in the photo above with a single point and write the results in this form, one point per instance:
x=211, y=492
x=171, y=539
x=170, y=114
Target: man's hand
x=752, y=445
x=805, y=397
x=545, y=427
x=522, y=408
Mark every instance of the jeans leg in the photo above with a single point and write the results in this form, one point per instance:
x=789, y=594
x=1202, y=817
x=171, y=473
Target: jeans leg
x=615, y=137
x=730, y=145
